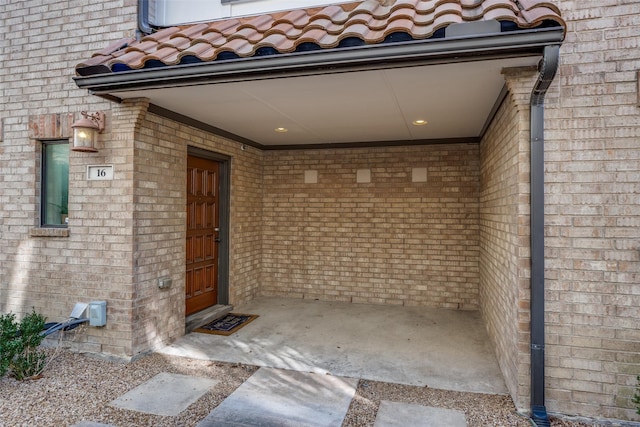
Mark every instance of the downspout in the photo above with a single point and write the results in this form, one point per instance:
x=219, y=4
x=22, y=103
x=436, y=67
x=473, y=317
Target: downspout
x=144, y=27
x=548, y=68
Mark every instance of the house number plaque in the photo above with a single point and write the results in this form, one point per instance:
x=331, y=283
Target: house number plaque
x=100, y=172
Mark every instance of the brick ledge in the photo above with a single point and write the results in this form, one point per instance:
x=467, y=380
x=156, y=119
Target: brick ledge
x=49, y=232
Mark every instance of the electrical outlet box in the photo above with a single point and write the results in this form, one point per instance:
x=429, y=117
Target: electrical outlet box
x=97, y=313
x=164, y=282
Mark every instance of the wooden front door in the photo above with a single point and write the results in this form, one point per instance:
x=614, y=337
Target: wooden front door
x=203, y=233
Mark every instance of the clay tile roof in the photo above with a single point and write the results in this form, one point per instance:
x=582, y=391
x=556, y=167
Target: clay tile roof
x=324, y=27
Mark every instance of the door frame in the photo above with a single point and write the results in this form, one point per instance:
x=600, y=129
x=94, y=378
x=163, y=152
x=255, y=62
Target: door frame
x=225, y=216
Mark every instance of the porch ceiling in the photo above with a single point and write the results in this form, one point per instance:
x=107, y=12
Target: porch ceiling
x=455, y=99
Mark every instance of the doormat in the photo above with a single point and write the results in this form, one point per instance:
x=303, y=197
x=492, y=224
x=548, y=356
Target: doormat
x=228, y=324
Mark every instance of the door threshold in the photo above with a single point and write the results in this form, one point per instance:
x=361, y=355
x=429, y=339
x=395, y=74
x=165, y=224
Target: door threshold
x=207, y=315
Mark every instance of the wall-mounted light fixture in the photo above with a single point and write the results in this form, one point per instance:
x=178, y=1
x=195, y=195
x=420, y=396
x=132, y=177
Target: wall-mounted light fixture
x=86, y=130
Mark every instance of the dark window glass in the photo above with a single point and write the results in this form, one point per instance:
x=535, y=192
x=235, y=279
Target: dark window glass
x=55, y=183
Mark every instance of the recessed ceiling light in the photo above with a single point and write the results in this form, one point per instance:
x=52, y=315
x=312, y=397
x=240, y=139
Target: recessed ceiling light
x=281, y=130
x=419, y=122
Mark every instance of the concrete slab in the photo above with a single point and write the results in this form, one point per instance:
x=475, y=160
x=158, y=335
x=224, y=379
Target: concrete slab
x=275, y=397
x=446, y=349
x=165, y=394
x=396, y=414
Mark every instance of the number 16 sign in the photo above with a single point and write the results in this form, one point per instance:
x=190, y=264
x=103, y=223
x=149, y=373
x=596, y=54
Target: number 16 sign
x=100, y=172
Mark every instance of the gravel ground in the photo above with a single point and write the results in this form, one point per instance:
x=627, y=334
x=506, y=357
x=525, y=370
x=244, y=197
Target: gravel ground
x=77, y=388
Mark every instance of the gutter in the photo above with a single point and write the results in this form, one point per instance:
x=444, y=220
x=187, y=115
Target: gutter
x=360, y=58
x=548, y=68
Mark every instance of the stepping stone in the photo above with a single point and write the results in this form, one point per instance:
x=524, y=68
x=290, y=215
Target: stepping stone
x=276, y=397
x=165, y=394
x=395, y=414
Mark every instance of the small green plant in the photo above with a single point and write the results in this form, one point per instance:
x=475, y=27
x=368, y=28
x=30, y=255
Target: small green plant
x=8, y=332
x=636, y=396
x=19, y=345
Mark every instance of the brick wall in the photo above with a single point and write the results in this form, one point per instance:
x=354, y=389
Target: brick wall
x=124, y=233
x=593, y=212
x=499, y=251
x=247, y=223
x=592, y=217
x=159, y=183
x=504, y=233
x=39, y=44
x=390, y=240
x=387, y=241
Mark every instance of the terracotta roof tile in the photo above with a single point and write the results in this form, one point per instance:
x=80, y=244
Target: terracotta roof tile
x=115, y=46
x=192, y=31
x=133, y=59
x=226, y=28
x=249, y=34
x=532, y=4
x=278, y=41
x=298, y=18
x=146, y=46
x=178, y=42
x=203, y=51
x=285, y=29
x=326, y=27
x=214, y=38
x=538, y=14
x=260, y=23
x=163, y=34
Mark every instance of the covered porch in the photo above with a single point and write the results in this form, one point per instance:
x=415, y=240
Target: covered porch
x=388, y=167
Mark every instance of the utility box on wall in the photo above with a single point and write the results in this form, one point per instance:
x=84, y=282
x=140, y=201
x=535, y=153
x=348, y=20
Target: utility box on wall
x=97, y=313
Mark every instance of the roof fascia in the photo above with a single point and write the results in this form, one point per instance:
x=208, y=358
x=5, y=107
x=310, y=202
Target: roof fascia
x=412, y=53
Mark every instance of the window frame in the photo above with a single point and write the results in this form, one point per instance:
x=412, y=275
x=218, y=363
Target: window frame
x=43, y=181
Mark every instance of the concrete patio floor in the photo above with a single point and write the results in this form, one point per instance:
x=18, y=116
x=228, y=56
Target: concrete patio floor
x=445, y=349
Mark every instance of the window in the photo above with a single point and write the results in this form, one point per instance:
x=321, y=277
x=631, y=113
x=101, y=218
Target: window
x=55, y=184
